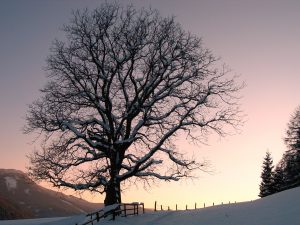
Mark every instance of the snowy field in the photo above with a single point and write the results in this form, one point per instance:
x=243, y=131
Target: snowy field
x=279, y=209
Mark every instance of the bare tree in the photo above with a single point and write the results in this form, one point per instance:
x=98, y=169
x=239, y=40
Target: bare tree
x=121, y=89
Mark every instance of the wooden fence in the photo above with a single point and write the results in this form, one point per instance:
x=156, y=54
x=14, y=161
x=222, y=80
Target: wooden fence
x=161, y=207
x=124, y=209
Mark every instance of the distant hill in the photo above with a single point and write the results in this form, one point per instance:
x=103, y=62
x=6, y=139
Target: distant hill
x=9, y=210
x=20, y=197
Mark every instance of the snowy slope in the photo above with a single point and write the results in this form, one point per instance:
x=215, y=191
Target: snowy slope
x=279, y=209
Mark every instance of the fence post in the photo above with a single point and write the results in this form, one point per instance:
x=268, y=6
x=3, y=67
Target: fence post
x=143, y=207
x=161, y=207
x=168, y=208
x=176, y=207
x=195, y=205
x=213, y=204
x=97, y=216
x=125, y=210
x=185, y=207
x=204, y=205
x=155, y=206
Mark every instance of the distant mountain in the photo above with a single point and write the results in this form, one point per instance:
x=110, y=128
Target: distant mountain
x=20, y=197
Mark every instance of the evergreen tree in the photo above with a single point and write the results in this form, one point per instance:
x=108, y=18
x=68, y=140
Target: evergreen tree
x=287, y=172
x=292, y=155
x=292, y=139
x=292, y=168
x=266, y=185
x=278, y=179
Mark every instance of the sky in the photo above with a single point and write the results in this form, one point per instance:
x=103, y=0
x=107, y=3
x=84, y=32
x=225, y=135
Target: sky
x=257, y=39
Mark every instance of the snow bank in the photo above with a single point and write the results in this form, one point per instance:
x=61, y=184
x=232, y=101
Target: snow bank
x=110, y=207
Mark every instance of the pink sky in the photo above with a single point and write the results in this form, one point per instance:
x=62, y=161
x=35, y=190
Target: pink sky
x=259, y=40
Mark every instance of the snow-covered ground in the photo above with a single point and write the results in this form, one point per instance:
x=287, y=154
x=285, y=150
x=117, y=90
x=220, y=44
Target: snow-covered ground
x=279, y=209
x=46, y=221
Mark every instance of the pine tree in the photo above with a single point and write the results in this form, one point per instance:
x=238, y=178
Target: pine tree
x=266, y=185
x=287, y=172
x=278, y=179
x=292, y=168
x=292, y=155
x=292, y=139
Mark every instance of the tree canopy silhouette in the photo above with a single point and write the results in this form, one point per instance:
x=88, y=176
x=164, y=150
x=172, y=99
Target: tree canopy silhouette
x=121, y=88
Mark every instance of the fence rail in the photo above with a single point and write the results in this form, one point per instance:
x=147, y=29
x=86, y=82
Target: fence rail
x=123, y=209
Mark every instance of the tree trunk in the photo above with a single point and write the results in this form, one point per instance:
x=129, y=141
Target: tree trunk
x=113, y=194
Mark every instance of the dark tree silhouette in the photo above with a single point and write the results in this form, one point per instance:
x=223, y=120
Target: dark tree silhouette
x=292, y=139
x=291, y=168
x=279, y=183
x=287, y=172
x=122, y=87
x=291, y=157
x=266, y=185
